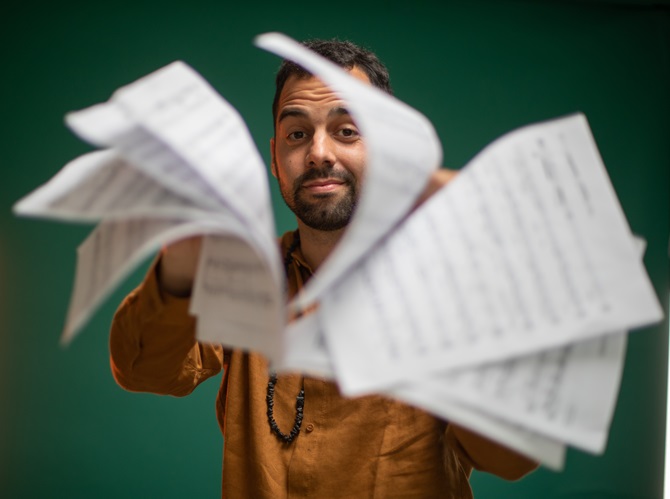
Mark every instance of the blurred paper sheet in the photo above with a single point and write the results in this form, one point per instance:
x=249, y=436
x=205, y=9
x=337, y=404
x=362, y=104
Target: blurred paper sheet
x=236, y=298
x=526, y=250
x=100, y=185
x=568, y=394
x=110, y=253
x=180, y=163
x=177, y=129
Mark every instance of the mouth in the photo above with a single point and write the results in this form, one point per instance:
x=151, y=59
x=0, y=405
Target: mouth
x=322, y=185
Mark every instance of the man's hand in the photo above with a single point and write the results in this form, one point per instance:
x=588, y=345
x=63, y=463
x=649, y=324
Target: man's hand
x=437, y=180
x=177, y=266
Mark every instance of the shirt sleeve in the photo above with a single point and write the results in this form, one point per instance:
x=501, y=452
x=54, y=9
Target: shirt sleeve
x=482, y=454
x=153, y=346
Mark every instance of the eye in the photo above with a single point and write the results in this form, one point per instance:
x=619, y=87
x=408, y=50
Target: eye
x=297, y=135
x=348, y=133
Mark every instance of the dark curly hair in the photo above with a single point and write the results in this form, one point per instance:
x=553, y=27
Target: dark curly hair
x=345, y=54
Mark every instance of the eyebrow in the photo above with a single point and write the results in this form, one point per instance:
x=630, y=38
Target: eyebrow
x=291, y=111
x=338, y=111
x=299, y=113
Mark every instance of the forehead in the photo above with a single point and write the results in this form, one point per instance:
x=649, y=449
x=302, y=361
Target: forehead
x=311, y=91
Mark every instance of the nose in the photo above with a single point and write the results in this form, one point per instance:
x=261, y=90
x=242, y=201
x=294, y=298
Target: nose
x=321, y=151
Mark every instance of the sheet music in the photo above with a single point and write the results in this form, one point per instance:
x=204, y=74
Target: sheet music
x=174, y=126
x=110, y=253
x=525, y=250
x=567, y=394
x=144, y=151
x=101, y=184
x=179, y=162
x=236, y=298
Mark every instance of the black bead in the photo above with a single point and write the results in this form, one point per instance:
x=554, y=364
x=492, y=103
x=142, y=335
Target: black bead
x=300, y=400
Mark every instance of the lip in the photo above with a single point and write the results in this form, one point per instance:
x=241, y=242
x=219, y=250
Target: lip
x=323, y=185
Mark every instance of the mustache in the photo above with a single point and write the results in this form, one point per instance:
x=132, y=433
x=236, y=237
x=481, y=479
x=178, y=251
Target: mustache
x=323, y=173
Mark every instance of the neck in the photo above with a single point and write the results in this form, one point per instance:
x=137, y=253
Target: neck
x=316, y=245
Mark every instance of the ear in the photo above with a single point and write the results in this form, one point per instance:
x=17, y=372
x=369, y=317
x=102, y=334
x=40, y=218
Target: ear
x=273, y=161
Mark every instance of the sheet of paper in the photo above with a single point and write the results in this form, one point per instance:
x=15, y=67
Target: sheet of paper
x=534, y=404
x=527, y=249
x=180, y=162
x=237, y=299
x=402, y=152
x=549, y=452
x=568, y=394
x=177, y=107
x=111, y=252
x=100, y=185
x=145, y=152
x=176, y=129
x=305, y=348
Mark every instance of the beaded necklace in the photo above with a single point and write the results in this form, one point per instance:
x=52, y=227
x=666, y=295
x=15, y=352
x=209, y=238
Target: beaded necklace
x=300, y=399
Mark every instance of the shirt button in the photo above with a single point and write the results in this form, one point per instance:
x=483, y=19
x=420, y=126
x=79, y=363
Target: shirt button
x=309, y=428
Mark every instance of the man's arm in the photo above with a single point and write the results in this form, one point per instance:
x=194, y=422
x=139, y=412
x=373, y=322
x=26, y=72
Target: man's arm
x=152, y=341
x=177, y=266
x=482, y=454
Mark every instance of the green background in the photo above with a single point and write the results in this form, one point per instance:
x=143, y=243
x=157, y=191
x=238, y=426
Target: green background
x=476, y=68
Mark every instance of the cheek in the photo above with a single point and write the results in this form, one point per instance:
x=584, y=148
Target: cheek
x=287, y=159
x=287, y=172
x=355, y=161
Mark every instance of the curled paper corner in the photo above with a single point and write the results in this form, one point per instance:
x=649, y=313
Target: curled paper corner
x=101, y=123
x=71, y=331
x=65, y=339
x=265, y=40
x=97, y=123
x=20, y=209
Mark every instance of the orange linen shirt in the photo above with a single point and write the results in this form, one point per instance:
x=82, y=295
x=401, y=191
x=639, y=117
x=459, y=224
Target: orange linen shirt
x=368, y=447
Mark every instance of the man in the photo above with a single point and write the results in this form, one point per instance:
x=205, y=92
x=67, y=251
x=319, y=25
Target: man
x=295, y=436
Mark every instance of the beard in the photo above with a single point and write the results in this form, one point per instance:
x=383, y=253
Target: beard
x=327, y=211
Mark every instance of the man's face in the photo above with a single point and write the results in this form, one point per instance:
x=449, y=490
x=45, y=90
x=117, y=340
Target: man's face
x=318, y=155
